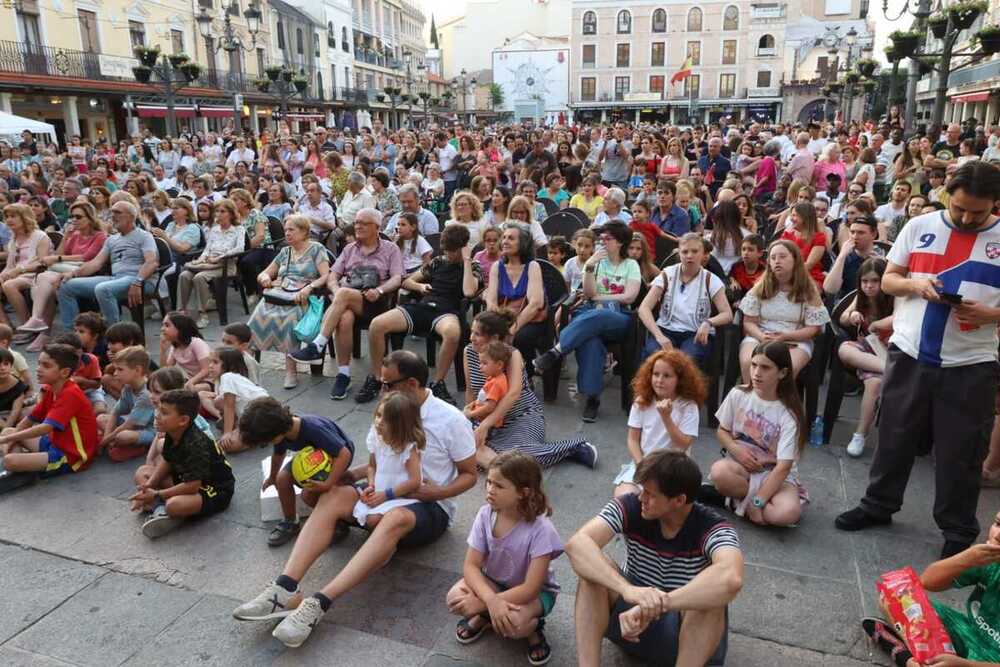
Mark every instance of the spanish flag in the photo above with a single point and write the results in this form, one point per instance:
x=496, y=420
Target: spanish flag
x=683, y=73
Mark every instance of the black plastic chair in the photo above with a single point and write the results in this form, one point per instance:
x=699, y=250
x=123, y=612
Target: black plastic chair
x=55, y=238
x=579, y=215
x=838, y=372
x=277, y=232
x=220, y=284
x=551, y=207
x=435, y=242
x=561, y=223
x=556, y=293
x=663, y=250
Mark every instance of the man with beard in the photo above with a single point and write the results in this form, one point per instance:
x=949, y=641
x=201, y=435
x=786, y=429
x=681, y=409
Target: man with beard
x=941, y=375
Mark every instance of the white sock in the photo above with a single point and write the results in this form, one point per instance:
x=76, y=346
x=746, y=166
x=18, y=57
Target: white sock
x=344, y=370
x=320, y=340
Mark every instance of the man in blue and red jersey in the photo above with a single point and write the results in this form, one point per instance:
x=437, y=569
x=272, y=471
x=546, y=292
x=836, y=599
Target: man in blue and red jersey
x=941, y=376
x=60, y=434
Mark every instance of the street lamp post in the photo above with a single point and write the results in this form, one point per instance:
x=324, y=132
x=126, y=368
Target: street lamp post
x=173, y=73
x=232, y=43
x=834, y=41
x=286, y=86
x=425, y=98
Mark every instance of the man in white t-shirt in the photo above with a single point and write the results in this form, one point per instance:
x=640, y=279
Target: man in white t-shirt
x=448, y=464
x=887, y=213
x=940, y=380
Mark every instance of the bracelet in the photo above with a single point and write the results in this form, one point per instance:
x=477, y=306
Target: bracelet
x=758, y=502
x=390, y=494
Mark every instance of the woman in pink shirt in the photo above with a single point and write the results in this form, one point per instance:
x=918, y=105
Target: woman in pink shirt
x=829, y=163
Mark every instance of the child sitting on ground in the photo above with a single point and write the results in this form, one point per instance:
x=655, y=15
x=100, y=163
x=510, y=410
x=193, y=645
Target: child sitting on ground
x=394, y=463
x=119, y=336
x=60, y=434
x=493, y=362
x=88, y=373
x=193, y=479
x=507, y=580
x=181, y=345
x=91, y=329
x=20, y=364
x=13, y=392
x=558, y=249
x=160, y=382
x=128, y=429
x=238, y=335
x=267, y=422
x=972, y=632
x=228, y=370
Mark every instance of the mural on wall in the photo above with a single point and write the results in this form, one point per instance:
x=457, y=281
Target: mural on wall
x=537, y=78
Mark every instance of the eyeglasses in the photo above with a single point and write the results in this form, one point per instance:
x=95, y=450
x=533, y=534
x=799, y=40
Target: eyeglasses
x=389, y=386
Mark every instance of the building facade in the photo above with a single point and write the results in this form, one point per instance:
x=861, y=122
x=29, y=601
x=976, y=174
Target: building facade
x=533, y=73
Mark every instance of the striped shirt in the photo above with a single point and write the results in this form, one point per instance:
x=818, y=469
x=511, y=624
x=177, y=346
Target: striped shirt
x=667, y=564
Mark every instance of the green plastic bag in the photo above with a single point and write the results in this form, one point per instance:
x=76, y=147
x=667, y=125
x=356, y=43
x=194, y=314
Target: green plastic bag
x=310, y=323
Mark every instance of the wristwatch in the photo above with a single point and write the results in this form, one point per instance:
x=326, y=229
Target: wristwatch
x=758, y=502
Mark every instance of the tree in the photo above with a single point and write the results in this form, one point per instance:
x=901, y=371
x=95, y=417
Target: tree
x=496, y=96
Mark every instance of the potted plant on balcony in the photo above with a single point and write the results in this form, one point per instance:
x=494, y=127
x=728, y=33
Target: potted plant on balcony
x=989, y=38
x=190, y=70
x=938, y=23
x=300, y=83
x=147, y=55
x=142, y=73
x=867, y=66
x=273, y=72
x=926, y=65
x=262, y=84
x=287, y=74
x=905, y=42
x=178, y=59
x=965, y=12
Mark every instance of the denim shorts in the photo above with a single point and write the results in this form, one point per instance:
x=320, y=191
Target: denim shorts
x=660, y=643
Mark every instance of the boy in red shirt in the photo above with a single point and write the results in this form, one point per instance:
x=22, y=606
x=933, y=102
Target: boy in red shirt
x=60, y=434
x=750, y=268
x=641, y=222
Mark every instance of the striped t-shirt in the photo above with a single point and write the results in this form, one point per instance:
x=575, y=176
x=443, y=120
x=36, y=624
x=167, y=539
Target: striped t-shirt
x=652, y=559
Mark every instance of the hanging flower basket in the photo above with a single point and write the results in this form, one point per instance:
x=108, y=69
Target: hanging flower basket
x=869, y=85
x=989, y=39
x=851, y=78
x=905, y=42
x=273, y=72
x=964, y=14
x=191, y=71
x=890, y=54
x=287, y=74
x=867, y=66
x=147, y=55
x=178, y=59
x=825, y=91
x=926, y=65
x=835, y=87
x=142, y=73
x=262, y=84
x=301, y=83
x=938, y=23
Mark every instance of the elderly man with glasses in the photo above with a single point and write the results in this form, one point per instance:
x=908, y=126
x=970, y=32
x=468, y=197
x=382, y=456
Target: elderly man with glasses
x=134, y=259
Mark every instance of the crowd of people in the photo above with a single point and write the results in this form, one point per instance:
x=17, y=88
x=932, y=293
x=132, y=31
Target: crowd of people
x=647, y=251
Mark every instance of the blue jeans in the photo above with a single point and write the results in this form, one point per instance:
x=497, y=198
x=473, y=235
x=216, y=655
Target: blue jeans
x=106, y=290
x=585, y=335
x=683, y=341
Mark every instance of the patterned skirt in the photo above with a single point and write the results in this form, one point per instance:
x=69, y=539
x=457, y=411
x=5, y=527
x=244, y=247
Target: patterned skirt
x=271, y=326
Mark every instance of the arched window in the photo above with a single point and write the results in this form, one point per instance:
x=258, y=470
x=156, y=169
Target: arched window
x=766, y=42
x=589, y=23
x=694, y=20
x=343, y=40
x=660, y=20
x=331, y=35
x=281, y=34
x=731, y=18
x=624, y=22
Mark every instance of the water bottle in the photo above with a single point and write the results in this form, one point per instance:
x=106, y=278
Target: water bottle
x=816, y=432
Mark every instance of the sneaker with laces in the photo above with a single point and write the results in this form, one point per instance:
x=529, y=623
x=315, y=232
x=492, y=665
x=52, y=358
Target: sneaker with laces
x=160, y=523
x=295, y=629
x=546, y=361
x=590, y=409
x=368, y=391
x=586, y=454
x=856, y=447
x=273, y=602
x=341, y=384
x=203, y=321
x=310, y=354
x=440, y=390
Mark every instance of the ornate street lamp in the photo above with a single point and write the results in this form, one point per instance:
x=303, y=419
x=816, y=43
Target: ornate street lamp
x=232, y=43
x=170, y=77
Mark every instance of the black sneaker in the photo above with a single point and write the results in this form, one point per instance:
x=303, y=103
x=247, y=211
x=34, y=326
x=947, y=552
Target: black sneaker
x=546, y=361
x=440, y=390
x=340, y=386
x=310, y=354
x=953, y=547
x=590, y=410
x=368, y=392
x=586, y=454
x=284, y=531
x=859, y=519
x=709, y=495
x=15, y=480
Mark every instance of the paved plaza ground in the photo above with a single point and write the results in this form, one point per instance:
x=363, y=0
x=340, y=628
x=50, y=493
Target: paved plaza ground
x=82, y=586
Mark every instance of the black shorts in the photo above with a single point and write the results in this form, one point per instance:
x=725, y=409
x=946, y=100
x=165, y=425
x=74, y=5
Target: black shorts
x=421, y=318
x=214, y=499
x=659, y=644
x=432, y=521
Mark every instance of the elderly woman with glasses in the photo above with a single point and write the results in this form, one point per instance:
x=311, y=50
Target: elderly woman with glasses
x=83, y=240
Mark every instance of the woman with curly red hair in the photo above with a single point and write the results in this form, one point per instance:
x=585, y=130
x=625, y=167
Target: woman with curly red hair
x=669, y=390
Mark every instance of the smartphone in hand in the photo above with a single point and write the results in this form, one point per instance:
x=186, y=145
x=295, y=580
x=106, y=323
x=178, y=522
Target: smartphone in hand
x=953, y=299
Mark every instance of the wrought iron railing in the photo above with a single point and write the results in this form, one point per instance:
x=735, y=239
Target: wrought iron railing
x=24, y=58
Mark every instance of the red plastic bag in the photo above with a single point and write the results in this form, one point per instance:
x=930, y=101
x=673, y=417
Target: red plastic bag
x=905, y=603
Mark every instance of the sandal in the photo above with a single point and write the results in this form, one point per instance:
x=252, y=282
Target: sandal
x=539, y=652
x=466, y=634
x=283, y=532
x=882, y=634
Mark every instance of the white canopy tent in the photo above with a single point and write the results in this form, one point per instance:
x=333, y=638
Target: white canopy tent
x=12, y=126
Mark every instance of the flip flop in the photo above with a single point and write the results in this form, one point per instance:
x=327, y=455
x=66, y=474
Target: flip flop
x=466, y=634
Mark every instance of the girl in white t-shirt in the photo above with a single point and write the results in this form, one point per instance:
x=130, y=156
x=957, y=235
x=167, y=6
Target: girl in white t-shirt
x=415, y=248
x=761, y=428
x=234, y=390
x=394, y=463
x=669, y=390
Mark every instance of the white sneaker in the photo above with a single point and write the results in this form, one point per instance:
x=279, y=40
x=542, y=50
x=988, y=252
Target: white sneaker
x=297, y=626
x=273, y=602
x=203, y=321
x=160, y=523
x=856, y=447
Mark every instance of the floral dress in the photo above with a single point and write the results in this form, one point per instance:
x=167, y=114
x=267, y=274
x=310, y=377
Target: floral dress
x=271, y=324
